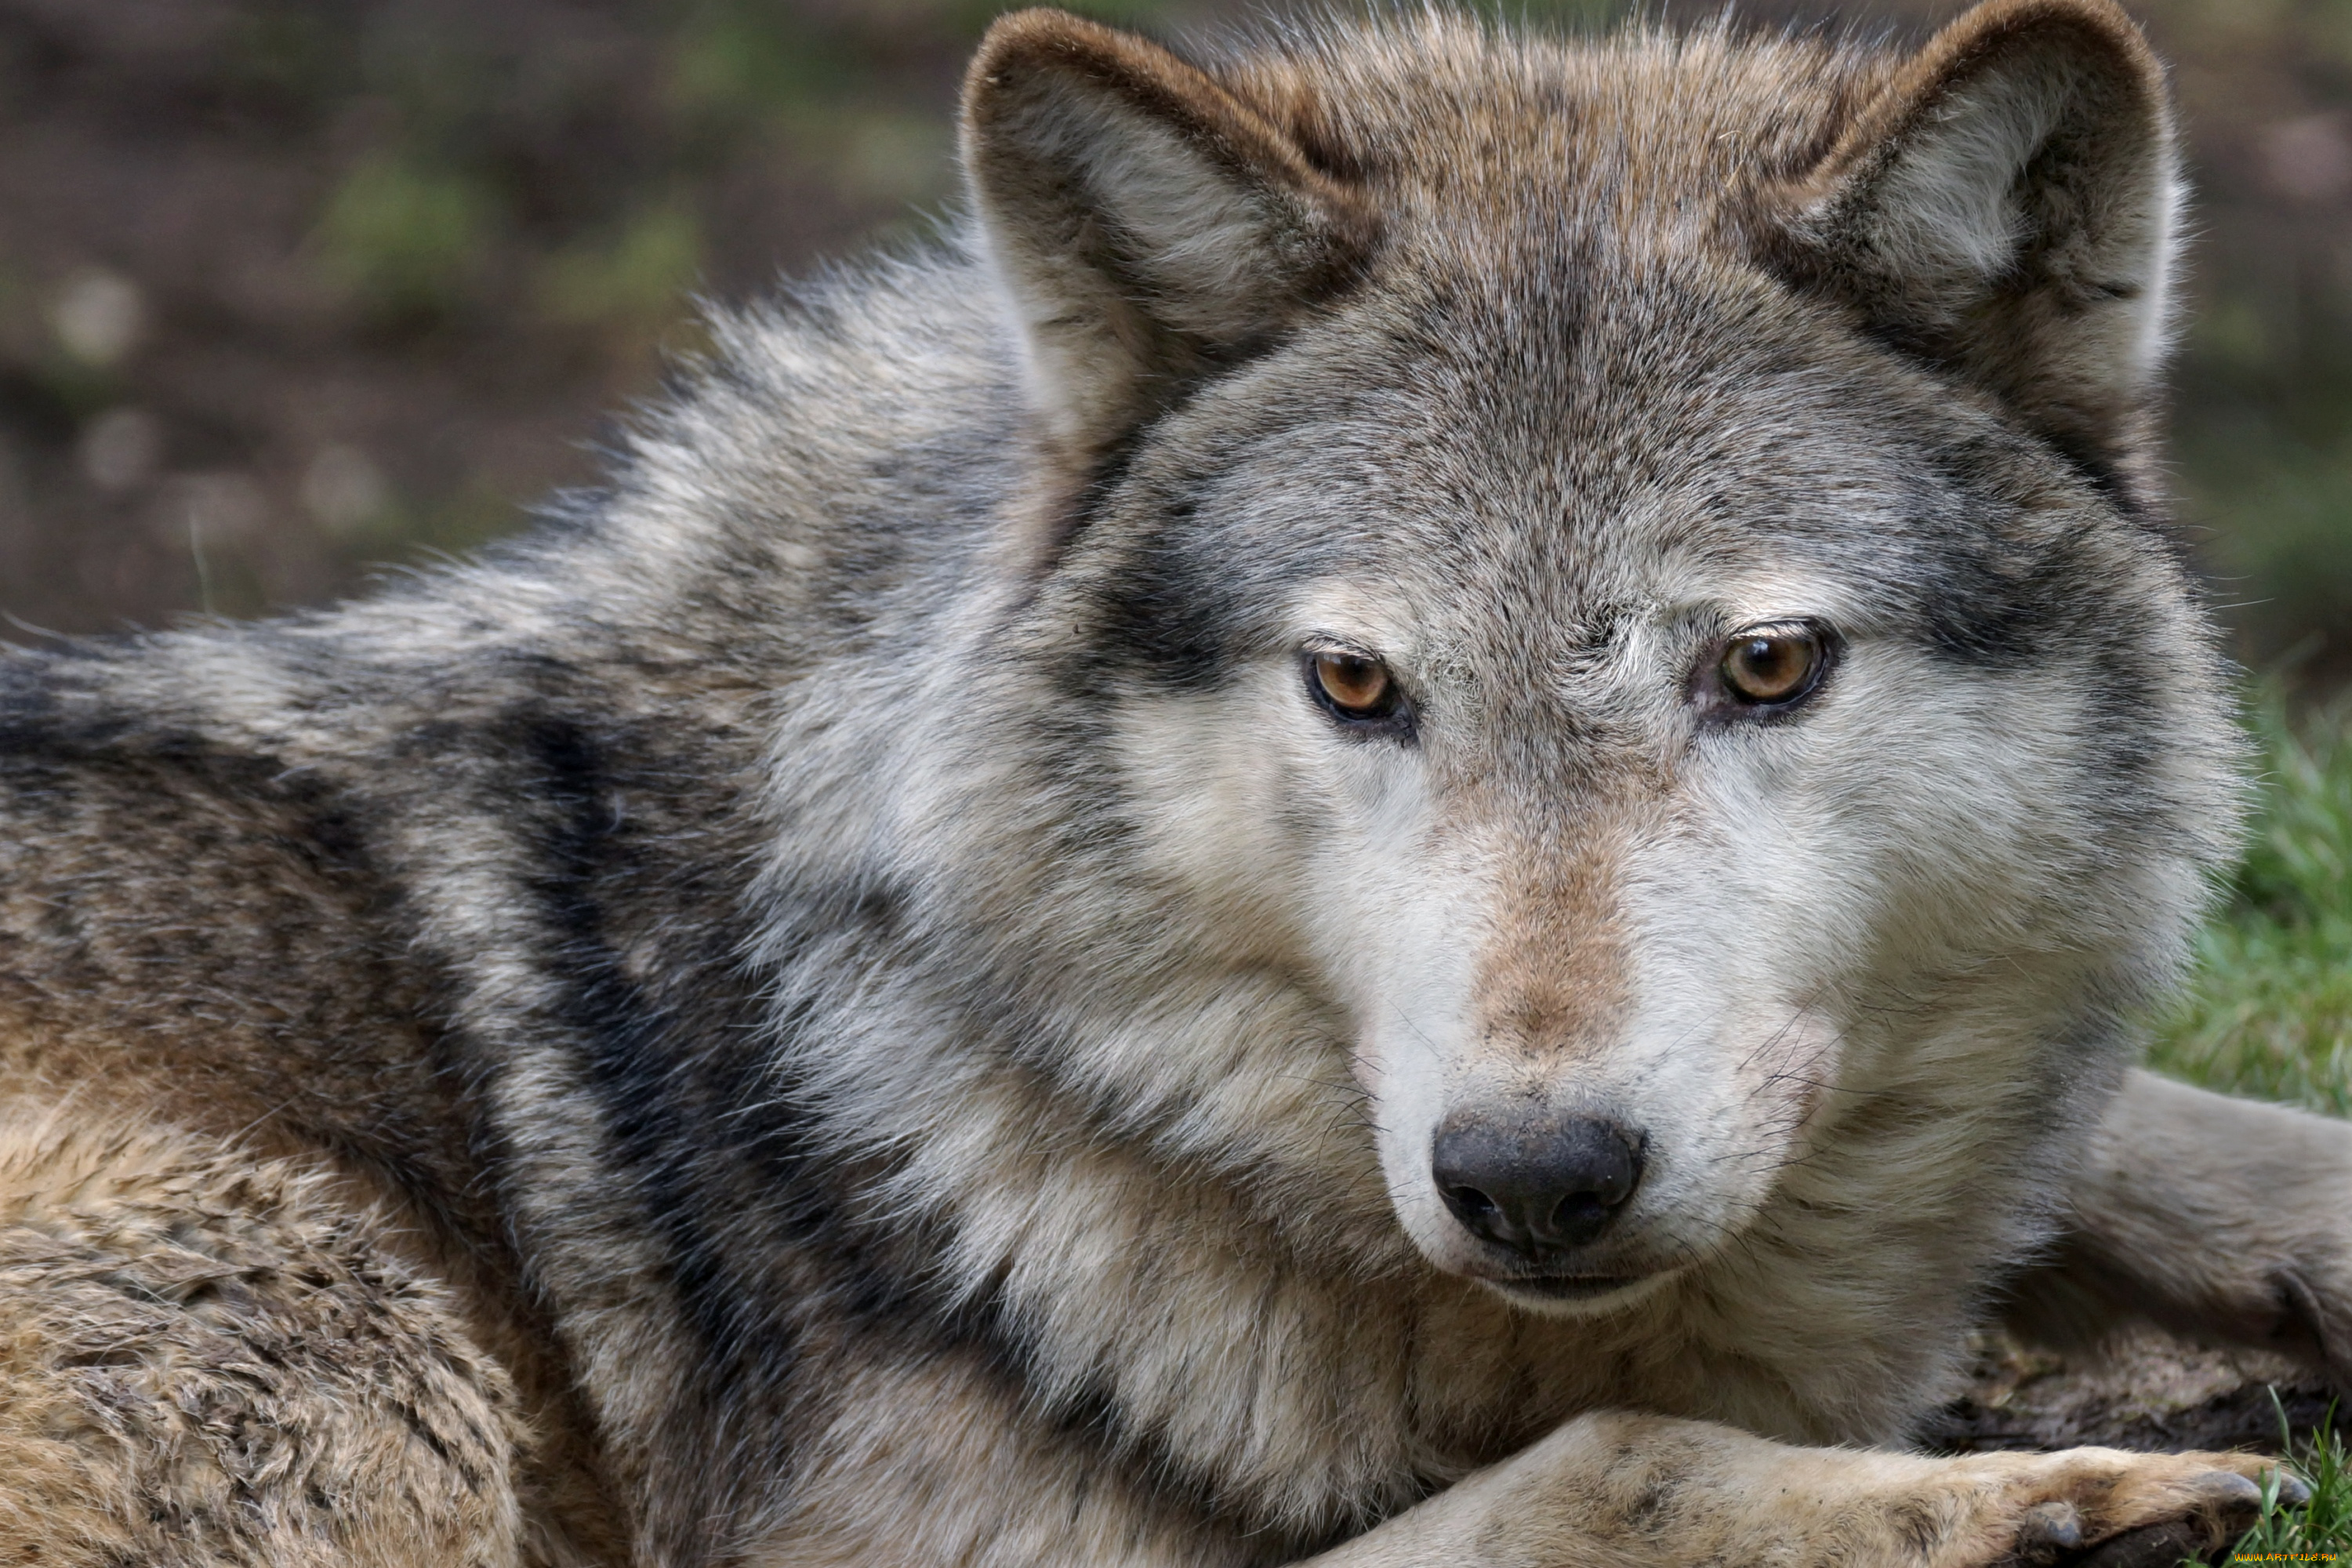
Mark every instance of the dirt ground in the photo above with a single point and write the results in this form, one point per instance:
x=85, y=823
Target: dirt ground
x=2147, y=1391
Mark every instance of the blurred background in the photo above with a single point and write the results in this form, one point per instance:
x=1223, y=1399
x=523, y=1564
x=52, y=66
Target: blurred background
x=292, y=288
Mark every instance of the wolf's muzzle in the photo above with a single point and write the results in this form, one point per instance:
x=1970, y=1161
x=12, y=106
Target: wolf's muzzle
x=1540, y=1186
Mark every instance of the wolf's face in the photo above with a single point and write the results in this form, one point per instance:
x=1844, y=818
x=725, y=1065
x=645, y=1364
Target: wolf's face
x=1662, y=715
x=1622, y=781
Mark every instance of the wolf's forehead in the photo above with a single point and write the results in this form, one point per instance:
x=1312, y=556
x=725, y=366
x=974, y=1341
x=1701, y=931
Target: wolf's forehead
x=1585, y=435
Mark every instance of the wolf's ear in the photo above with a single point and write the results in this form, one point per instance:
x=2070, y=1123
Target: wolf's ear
x=2005, y=208
x=1148, y=224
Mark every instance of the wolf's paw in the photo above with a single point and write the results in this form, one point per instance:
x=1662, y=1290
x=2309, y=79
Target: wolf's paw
x=2098, y=1508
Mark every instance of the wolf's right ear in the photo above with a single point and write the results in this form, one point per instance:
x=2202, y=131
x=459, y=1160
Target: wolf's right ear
x=1148, y=224
x=2005, y=208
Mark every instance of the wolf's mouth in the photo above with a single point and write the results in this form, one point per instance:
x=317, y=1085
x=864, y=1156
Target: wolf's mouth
x=1570, y=1287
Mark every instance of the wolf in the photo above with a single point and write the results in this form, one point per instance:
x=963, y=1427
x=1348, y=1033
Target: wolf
x=1414, y=816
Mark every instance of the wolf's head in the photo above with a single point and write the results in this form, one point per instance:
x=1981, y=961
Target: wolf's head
x=1626, y=572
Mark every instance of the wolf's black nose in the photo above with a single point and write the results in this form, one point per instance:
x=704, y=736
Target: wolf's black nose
x=1535, y=1186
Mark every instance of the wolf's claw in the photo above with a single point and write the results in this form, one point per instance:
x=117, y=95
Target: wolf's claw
x=2227, y=1491
x=2049, y=1531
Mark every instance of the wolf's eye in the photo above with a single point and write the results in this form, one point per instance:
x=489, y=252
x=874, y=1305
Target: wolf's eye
x=1355, y=688
x=1771, y=666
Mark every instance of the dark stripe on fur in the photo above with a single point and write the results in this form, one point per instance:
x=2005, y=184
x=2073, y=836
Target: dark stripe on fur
x=625, y=1038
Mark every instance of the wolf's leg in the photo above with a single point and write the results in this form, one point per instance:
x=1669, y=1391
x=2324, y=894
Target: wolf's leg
x=2224, y=1219
x=1610, y=1490
x=1621, y=1489
x=210, y=1359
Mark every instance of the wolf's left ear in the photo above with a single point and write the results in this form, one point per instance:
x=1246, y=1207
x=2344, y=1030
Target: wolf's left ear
x=2005, y=208
x=1148, y=224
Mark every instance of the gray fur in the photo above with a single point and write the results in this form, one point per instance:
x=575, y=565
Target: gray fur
x=893, y=1014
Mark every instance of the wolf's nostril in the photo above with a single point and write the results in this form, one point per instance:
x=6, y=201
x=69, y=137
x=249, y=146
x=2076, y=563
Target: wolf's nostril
x=1535, y=1185
x=1582, y=1212
x=1468, y=1201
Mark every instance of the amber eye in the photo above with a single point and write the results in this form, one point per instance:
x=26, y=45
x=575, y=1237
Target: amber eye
x=1773, y=665
x=1354, y=687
